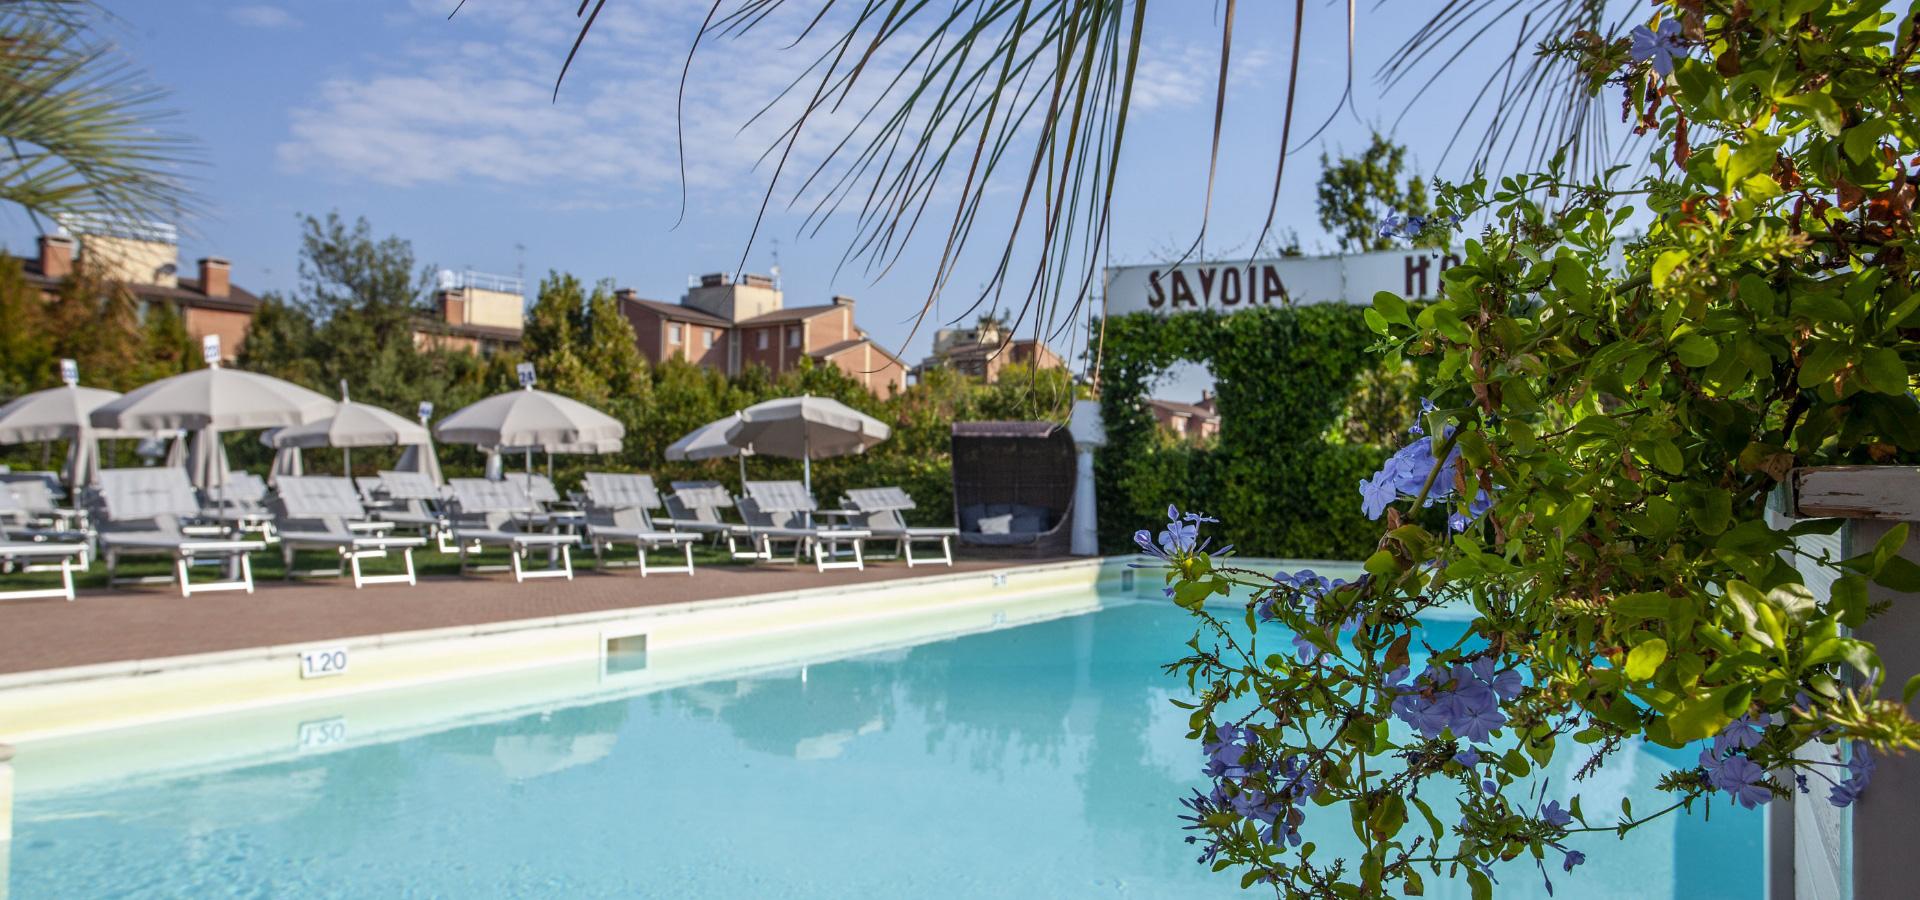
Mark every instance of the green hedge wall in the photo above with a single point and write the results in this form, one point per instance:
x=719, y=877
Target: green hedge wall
x=1276, y=483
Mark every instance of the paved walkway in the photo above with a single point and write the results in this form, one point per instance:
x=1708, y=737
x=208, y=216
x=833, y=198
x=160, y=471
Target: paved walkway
x=150, y=622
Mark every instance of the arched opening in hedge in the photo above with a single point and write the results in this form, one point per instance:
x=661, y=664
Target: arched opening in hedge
x=1279, y=479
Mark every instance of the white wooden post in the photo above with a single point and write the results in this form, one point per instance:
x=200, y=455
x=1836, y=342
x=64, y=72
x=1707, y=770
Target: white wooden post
x=1089, y=433
x=1816, y=851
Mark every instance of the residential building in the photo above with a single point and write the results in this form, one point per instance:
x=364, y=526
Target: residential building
x=985, y=349
x=473, y=312
x=144, y=257
x=729, y=325
x=1195, y=422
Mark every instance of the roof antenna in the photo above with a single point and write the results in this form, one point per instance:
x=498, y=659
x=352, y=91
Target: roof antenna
x=776, y=264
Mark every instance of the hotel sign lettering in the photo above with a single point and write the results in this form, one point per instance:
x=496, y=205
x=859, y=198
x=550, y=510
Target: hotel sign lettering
x=1247, y=284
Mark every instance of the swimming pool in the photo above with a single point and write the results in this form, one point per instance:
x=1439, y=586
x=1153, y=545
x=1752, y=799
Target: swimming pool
x=1037, y=760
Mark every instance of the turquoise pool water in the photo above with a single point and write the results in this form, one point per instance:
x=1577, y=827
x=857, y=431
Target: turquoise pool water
x=1034, y=761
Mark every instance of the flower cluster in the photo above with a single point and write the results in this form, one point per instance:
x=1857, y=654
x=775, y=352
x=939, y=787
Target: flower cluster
x=1463, y=698
x=1658, y=46
x=1410, y=227
x=1269, y=792
x=1729, y=769
x=1180, y=538
x=1844, y=792
x=1405, y=474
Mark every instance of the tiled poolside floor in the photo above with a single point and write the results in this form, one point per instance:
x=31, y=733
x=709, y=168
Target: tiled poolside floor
x=151, y=622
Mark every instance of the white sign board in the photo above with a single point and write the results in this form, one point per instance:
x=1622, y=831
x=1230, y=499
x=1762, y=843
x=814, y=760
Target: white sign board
x=323, y=662
x=526, y=374
x=210, y=349
x=69, y=372
x=1234, y=285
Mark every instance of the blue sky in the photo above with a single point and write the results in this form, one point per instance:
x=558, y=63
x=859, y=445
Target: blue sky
x=443, y=132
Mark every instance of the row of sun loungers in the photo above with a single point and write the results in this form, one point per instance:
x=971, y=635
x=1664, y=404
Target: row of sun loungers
x=157, y=512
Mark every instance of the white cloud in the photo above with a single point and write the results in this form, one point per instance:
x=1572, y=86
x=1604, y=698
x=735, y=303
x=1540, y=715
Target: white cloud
x=474, y=102
x=263, y=16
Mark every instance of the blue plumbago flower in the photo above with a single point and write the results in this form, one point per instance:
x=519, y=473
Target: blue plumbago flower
x=1426, y=403
x=1307, y=587
x=1394, y=225
x=1306, y=652
x=1740, y=734
x=1738, y=776
x=1464, y=699
x=1553, y=815
x=1459, y=521
x=1227, y=752
x=1405, y=473
x=1859, y=772
x=1468, y=757
x=1180, y=538
x=1573, y=858
x=1658, y=46
x=1202, y=807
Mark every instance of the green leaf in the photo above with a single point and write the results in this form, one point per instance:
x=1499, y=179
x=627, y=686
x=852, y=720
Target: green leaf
x=1664, y=264
x=1900, y=574
x=1392, y=308
x=1644, y=605
x=1912, y=688
x=1478, y=882
x=1696, y=350
x=1700, y=716
x=1645, y=659
x=1884, y=370
x=1821, y=107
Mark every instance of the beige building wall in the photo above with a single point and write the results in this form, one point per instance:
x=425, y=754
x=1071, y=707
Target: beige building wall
x=734, y=302
x=132, y=260
x=494, y=309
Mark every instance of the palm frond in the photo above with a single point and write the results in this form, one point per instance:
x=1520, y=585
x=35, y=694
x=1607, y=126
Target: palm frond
x=79, y=123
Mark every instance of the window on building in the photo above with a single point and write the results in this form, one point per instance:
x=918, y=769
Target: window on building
x=706, y=339
x=793, y=337
x=763, y=339
x=673, y=334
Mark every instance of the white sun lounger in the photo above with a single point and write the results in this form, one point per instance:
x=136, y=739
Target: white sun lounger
x=619, y=512
x=782, y=510
x=695, y=506
x=485, y=514
x=242, y=503
x=323, y=512
x=140, y=514
x=34, y=555
x=414, y=502
x=880, y=511
x=36, y=506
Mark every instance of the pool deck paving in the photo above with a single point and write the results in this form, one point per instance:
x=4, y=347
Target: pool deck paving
x=152, y=622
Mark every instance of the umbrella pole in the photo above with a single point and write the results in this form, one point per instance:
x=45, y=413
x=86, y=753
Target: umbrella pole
x=743, y=471
x=529, y=460
x=346, y=456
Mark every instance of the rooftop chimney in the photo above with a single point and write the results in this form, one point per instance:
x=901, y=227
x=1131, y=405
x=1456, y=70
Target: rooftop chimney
x=714, y=280
x=56, y=255
x=214, y=274
x=625, y=294
x=842, y=300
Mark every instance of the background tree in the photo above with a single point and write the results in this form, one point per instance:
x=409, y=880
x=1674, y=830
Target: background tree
x=1355, y=193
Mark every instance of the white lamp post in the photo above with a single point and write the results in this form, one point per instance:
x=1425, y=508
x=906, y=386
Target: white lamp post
x=1089, y=433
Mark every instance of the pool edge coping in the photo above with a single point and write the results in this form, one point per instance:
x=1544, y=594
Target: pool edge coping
x=188, y=662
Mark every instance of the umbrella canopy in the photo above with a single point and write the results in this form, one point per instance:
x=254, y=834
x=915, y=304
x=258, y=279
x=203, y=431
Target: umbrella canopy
x=218, y=398
x=709, y=441
x=528, y=418
x=421, y=458
x=352, y=425
x=56, y=414
x=806, y=428
x=207, y=459
x=52, y=414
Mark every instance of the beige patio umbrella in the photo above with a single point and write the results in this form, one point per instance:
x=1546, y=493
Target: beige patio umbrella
x=529, y=419
x=806, y=428
x=210, y=401
x=60, y=413
x=709, y=441
x=352, y=425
